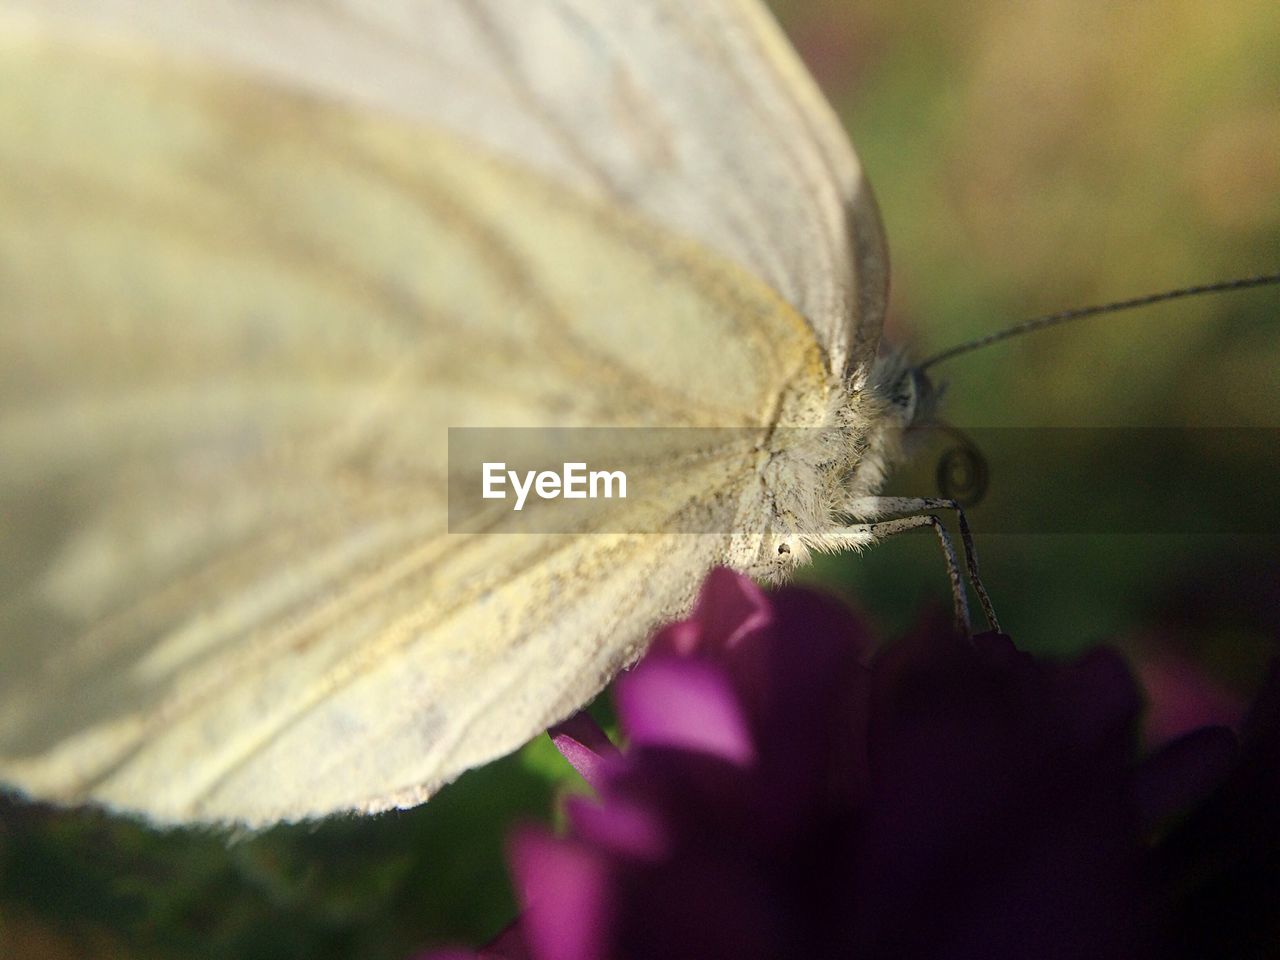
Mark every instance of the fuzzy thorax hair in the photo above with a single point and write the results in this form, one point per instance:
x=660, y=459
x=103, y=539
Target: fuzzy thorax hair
x=813, y=476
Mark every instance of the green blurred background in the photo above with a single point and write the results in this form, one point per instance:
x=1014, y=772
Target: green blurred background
x=1027, y=157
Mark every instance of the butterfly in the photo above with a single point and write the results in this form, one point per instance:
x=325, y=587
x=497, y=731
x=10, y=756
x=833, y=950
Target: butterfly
x=256, y=260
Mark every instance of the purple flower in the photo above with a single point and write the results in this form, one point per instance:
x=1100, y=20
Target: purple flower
x=1182, y=698
x=1218, y=868
x=786, y=794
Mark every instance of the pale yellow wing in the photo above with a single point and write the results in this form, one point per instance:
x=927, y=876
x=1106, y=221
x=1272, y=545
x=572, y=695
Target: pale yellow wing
x=236, y=321
x=697, y=114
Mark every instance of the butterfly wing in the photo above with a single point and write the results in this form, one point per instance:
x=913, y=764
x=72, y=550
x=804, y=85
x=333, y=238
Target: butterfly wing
x=698, y=115
x=236, y=331
x=240, y=312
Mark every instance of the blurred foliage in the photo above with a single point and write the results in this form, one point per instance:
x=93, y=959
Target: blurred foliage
x=349, y=887
x=1038, y=156
x=1028, y=157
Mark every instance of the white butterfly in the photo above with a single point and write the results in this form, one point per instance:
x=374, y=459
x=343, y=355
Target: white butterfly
x=257, y=258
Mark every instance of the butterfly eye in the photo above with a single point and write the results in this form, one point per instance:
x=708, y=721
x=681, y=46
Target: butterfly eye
x=906, y=395
x=783, y=549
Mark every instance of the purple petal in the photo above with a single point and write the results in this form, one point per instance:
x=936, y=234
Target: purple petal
x=686, y=704
x=620, y=826
x=1182, y=698
x=1096, y=699
x=587, y=748
x=1218, y=866
x=729, y=608
x=508, y=945
x=1183, y=772
x=564, y=887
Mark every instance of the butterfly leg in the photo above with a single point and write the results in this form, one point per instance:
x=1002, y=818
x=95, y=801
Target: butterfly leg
x=879, y=506
x=888, y=528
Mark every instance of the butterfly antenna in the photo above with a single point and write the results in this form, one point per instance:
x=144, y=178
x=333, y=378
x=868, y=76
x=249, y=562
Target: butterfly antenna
x=1053, y=319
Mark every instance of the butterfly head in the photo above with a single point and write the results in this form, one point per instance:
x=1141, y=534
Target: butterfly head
x=817, y=480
